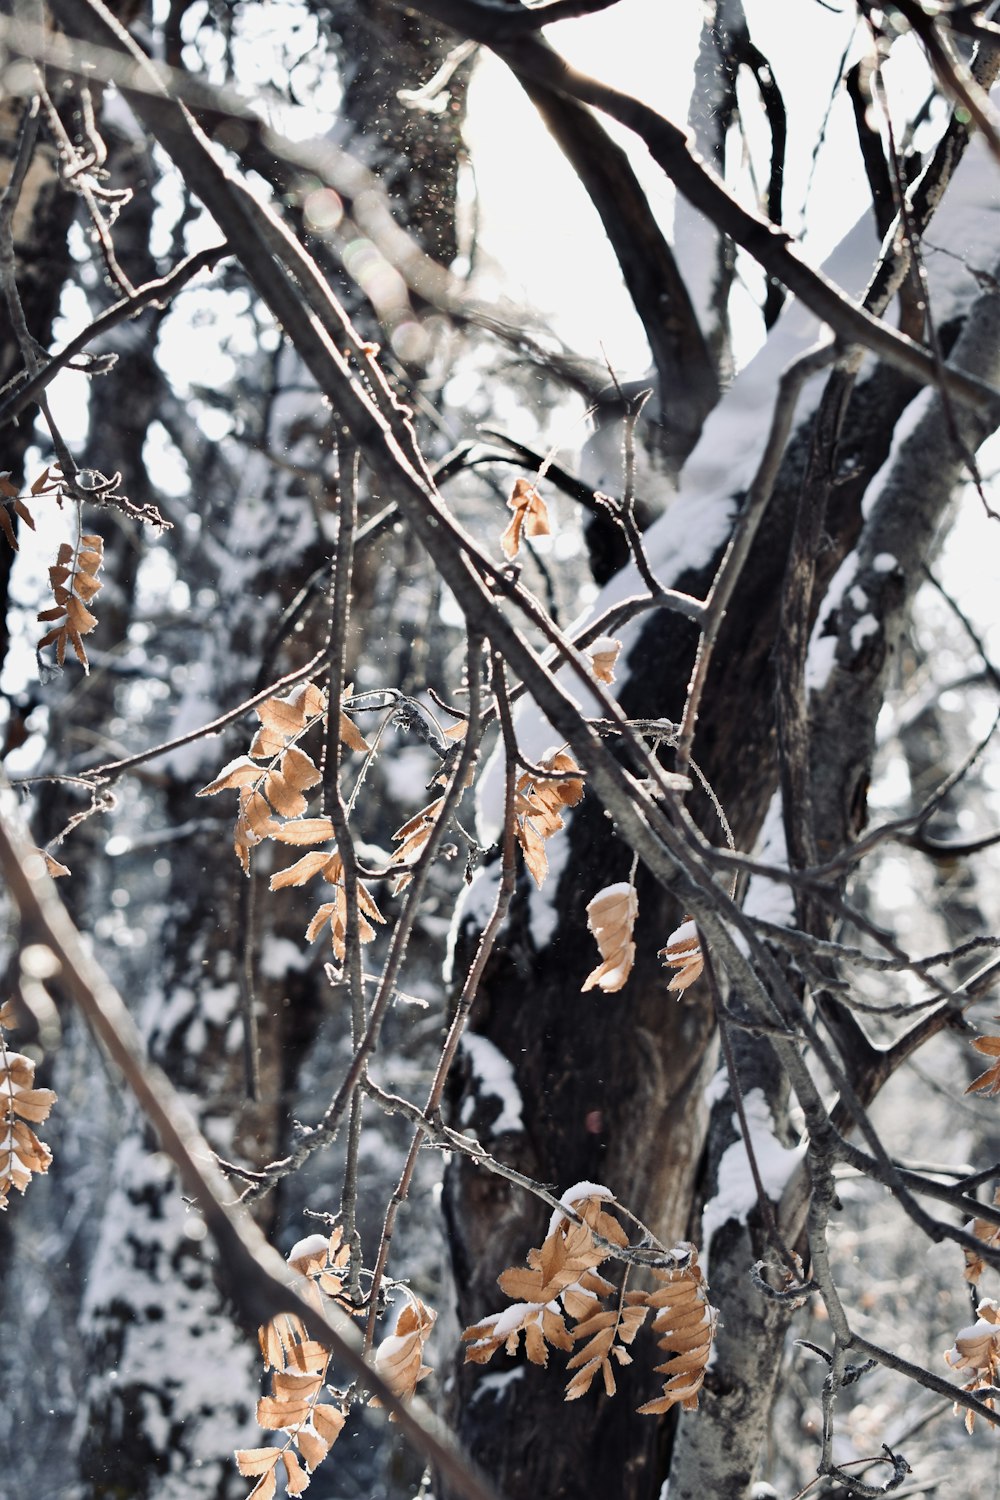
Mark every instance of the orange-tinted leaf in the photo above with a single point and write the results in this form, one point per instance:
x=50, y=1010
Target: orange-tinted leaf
x=254, y=1461
x=328, y=1421
x=238, y=772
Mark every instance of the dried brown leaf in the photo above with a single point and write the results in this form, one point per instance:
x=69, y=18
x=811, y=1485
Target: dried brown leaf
x=611, y=916
x=254, y=1461
x=530, y=518
x=305, y=831
x=312, y=1447
x=603, y=654
x=988, y=1083
x=73, y=579
x=296, y=1478
x=399, y=1358
x=683, y=953
x=328, y=1421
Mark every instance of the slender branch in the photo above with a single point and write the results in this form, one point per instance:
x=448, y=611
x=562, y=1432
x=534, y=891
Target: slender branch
x=21, y=390
x=470, y=988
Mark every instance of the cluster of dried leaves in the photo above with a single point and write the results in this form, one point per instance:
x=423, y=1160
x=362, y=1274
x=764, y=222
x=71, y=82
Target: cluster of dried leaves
x=300, y=1366
x=272, y=781
x=21, y=1152
x=683, y=953
x=989, y=1233
x=74, y=583
x=560, y=1302
x=73, y=577
x=540, y=797
x=977, y=1349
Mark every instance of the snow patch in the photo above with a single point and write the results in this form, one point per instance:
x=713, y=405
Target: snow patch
x=493, y=1078
x=822, y=654
x=736, y=1194
x=279, y=956
x=771, y=900
x=473, y=908
x=902, y=432
x=495, y=1383
x=716, y=1088
x=863, y=630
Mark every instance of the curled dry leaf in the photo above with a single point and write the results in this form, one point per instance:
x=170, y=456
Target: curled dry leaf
x=74, y=582
x=989, y=1234
x=399, y=1358
x=603, y=654
x=299, y=1365
x=52, y=865
x=22, y=1154
x=611, y=918
x=683, y=953
x=411, y=838
x=48, y=482
x=530, y=518
x=977, y=1349
x=987, y=1083
x=538, y=807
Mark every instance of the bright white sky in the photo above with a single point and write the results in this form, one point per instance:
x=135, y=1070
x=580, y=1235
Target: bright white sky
x=538, y=222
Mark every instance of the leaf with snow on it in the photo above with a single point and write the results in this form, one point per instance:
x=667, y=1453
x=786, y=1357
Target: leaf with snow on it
x=989, y=1234
x=611, y=916
x=978, y=1346
x=399, y=1358
x=239, y=772
x=603, y=654
x=683, y=953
